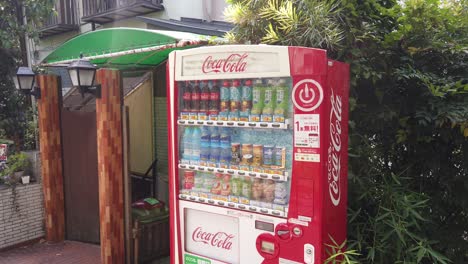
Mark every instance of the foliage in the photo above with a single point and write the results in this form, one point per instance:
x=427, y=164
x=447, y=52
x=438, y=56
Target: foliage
x=408, y=165
x=14, y=115
x=278, y=21
x=12, y=12
x=17, y=162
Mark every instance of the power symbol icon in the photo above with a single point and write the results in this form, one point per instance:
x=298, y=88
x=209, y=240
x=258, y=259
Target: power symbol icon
x=307, y=95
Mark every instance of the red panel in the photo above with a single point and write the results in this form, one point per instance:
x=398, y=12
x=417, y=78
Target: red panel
x=173, y=181
x=336, y=169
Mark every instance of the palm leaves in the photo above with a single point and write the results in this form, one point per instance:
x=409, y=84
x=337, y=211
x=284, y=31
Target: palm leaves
x=282, y=22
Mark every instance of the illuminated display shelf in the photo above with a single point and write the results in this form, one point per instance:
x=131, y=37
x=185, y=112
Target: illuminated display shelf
x=260, y=175
x=244, y=124
x=243, y=207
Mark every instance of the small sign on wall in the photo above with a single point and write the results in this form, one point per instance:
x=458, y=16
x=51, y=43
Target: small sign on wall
x=3, y=152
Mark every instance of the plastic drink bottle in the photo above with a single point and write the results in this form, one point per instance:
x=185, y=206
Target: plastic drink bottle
x=270, y=102
x=186, y=96
x=225, y=145
x=258, y=99
x=214, y=100
x=204, y=146
x=196, y=138
x=235, y=94
x=204, y=97
x=224, y=98
x=195, y=96
x=246, y=191
x=186, y=147
x=214, y=147
x=282, y=99
x=246, y=101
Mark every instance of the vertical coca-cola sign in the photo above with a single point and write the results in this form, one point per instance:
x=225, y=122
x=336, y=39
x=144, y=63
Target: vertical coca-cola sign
x=213, y=236
x=335, y=149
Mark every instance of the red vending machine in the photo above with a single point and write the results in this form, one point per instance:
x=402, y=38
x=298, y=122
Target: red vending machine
x=258, y=154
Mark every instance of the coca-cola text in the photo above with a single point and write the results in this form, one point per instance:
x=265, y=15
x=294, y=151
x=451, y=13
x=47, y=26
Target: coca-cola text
x=219, y=239
x=233, y=63
x=334, y=150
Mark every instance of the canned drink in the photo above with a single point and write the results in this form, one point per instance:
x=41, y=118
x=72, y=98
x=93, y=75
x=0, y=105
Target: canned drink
x=235, y=153
x=226, y=185
x=269, y=191
x=217, y=186
x=189, y=179
x=268, y=155
x=247, y=154
x=257, y=189
x=257, y=155
x=278, y=160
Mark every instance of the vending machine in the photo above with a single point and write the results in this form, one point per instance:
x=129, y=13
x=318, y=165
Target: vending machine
x=258, y=140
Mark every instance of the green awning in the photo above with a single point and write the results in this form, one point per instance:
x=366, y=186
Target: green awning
x=123, y=47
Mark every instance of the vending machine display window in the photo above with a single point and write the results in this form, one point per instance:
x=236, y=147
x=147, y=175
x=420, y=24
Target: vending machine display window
x=235, y=147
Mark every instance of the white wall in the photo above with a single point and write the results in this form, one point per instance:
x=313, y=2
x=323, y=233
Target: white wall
x=22, y=220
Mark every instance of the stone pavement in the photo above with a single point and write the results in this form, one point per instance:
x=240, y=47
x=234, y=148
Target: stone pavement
x=68, y=252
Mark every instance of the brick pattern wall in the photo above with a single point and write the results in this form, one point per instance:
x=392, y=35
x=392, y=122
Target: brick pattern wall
x=110, y=166
x=51, y=156
x=22, y=220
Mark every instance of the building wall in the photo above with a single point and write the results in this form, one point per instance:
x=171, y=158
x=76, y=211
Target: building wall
x=173, y=9
x=22, y=220
x=140, y=107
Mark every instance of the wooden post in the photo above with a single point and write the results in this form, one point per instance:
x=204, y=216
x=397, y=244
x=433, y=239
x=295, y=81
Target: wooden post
x=110, y=170
x=51, y=156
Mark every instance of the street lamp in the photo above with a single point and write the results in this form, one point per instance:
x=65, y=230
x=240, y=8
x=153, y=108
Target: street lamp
x=25, y=82
x=82, y=74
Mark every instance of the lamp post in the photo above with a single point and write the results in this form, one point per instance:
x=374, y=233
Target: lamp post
x=82, y=74
x=25, y=82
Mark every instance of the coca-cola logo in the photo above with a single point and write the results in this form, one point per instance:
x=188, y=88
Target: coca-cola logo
x=220, y=240
x=334, y=149
x=233, y=63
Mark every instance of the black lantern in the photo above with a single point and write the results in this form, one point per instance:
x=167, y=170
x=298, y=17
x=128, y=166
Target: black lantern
x=82, y=74
x=25, y=82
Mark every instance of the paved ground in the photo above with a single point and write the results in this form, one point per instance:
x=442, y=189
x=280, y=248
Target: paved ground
x=68, y=252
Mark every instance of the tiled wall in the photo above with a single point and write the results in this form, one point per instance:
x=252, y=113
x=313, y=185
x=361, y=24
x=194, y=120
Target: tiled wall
x=22, y=220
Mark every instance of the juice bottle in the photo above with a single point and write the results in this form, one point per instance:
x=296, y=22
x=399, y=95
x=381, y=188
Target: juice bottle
x=282, y=99
x=258, y=100
x=246, y=191
x=195, y=97
x=225, y=147
x=246, y=98
x=204, y=100
x=204, y=146
x=224, y=104
x=196, y=144
x=214, y=101
x=186, y=147
x=214, y=147
x=270, y=102
x=186, y=96
x=236, y=185
x=235, y=100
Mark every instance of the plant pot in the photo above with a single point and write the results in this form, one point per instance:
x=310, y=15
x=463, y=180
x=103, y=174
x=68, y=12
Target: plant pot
x=19, y=174
x=25, y=179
